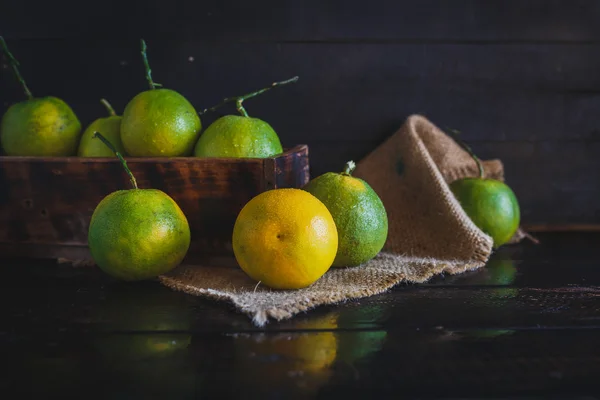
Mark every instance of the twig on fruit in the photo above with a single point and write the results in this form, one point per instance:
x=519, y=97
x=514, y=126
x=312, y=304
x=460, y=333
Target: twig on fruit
x=349, y=168
x=111, y=111
x=153, y=85
x=530, y=237
x=15, y=66
x=455, y=135
x=98, y=135
x=240, y=99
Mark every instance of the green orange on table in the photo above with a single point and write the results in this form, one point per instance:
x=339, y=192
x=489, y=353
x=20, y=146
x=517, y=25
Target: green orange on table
x=240, y=136
x=44, y=126
x=285, y=239
x=159, y=122
x=359, y=215
x=110, y=128
x=489, y=203
x=137, y=234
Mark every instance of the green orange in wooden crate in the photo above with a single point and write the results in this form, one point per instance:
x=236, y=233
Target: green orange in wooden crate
x=44, y=126
x=489, y=203
x=285, y=239
x=240, y=136
x=359, y=215
x=159, y=122
x=110, y=127
x=137, y=234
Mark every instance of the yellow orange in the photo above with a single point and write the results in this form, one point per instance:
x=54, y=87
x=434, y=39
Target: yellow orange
x=285, y=239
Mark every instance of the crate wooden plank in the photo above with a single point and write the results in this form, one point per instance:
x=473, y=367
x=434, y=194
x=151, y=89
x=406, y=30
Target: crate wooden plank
x=49, y=201
x=271, y=20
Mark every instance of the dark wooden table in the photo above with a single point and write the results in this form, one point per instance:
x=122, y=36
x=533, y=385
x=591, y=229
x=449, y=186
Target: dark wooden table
x=526, y=325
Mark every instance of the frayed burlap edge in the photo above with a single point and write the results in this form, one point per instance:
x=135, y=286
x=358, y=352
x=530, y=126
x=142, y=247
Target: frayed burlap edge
x=337, y=286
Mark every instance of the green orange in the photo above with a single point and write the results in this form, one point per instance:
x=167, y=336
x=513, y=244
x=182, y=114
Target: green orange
x=110, y=128
x=160, y=123
x=137, y=234
x=238, y=136
x=491, y=205
x=359, y=215
x=44, y=126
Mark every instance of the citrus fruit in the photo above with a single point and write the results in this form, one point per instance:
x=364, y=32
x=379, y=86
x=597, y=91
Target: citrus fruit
x=285, y=239
x=359, y=215
x=491, y=205
x=137, y=234
x=237, y=136
x=159, y=122
x=44, y=126
x=240, y=136
x=110, y=128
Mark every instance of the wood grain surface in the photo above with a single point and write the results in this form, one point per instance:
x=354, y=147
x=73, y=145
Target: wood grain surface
x=525, y=326
x=519, y=79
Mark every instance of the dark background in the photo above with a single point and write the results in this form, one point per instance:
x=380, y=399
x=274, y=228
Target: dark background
x=519, y=78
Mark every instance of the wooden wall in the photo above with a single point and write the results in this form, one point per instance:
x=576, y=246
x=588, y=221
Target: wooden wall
x=519, y=78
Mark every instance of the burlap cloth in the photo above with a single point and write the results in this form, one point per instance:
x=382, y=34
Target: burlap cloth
x=429, y=233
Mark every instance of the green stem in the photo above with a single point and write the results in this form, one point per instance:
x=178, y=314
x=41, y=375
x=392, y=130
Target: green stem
x=111, y=111
x=108, y=144
x=349, y=168
x=152, y=84
x=240, y=99
x=240, y=108
x=15, y=66
x=455, y=134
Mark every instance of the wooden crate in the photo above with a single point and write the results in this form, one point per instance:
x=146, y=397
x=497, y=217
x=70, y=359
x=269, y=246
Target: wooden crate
x=46, y=203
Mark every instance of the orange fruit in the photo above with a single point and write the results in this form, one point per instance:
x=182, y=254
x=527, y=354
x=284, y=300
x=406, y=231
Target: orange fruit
x=285, y=239
x=491, y=205
x=109, y=127
x=38, y=126
x=138, y=234
x=238, y=137
x=358, y=212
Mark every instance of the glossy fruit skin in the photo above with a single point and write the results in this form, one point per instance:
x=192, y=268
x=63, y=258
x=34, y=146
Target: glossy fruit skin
x=285, y=239
x=238, y=137
x=160, y=123
x=491, y=205
x=138, y=234
x=110, y=128
x=44, y=126
x=359, y=215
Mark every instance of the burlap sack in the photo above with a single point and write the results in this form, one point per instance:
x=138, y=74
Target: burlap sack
x=429, y=233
